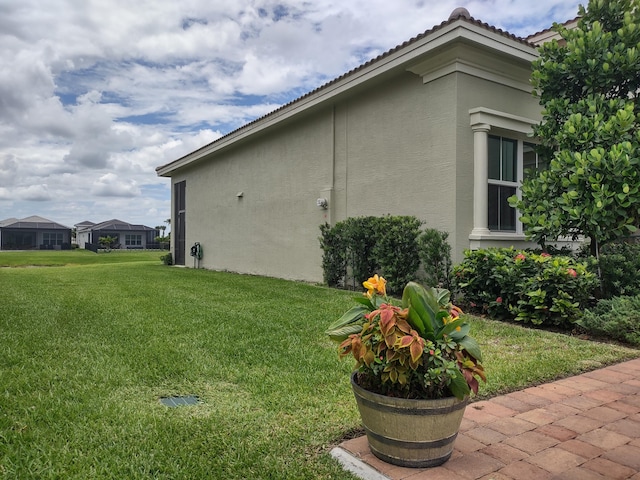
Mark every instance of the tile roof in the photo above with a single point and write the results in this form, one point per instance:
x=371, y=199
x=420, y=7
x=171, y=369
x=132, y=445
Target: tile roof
x=550, y=29
x=32, y=223
x=115, y=224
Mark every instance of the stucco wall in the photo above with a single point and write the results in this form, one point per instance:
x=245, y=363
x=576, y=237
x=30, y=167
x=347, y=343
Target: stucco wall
x=473, y=92
x=273, y=228
x=395, y=152
x=400, y=147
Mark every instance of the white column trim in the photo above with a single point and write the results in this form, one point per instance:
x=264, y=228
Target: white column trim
x=480, y=183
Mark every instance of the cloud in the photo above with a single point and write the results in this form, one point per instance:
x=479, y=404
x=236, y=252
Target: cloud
x=5, y=195
x=34, y=193
x=110, y=185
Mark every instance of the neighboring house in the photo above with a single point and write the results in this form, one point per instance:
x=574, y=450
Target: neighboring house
x=33, y=233
x=438, y=127
x=127, y=235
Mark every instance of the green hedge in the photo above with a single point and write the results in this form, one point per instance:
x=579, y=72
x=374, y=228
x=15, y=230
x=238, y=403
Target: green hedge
x=620, y=269
x=392, y=246
x=617, y=318
x=525, y=286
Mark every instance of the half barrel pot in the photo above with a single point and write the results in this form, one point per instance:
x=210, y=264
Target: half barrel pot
x=406, y=432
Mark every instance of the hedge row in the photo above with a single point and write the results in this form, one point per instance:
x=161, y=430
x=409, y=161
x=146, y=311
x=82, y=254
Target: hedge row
x=392, y=246
x=529, y=287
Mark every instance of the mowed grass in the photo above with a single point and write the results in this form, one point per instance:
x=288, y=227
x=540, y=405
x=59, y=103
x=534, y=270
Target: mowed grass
x=53, y=258
x=87, y=351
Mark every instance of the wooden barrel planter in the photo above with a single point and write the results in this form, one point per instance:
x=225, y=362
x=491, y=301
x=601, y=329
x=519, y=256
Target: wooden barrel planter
x=409, y=433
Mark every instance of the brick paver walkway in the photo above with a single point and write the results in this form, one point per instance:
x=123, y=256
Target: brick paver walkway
x=585, y=427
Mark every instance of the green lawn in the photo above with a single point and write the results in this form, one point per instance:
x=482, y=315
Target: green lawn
x=89, y=348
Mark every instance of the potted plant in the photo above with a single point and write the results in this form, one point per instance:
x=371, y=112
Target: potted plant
x=415, y=368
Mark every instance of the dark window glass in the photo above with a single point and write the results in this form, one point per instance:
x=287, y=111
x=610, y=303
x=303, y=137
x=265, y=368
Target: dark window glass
x=494, y=158
x=509, y=160
x=502, y=217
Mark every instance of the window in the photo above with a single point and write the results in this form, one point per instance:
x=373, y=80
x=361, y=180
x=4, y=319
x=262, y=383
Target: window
x=503, y=182
x=509, y=162
x=133, y=240
x=52, y=238
x=531, y=162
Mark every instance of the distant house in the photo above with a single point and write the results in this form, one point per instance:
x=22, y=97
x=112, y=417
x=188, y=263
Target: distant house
x=127, y=235
x=439, y=127
x=33, y=233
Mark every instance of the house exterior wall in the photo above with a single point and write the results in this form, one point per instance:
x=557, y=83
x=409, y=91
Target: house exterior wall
x=273, y=228
x=398, y=157
x=388, y=150
x=399, y=144
x=473, y=92
x=121, y=236
x=82, y=238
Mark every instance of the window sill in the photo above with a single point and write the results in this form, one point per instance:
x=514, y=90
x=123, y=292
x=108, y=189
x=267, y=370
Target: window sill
x=498, y=236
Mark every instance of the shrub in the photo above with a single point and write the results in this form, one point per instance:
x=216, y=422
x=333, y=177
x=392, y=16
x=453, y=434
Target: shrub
x=167, y=259
x=360, y=245
x=396, y=250
x=620, y=269
x=617, y=318
x=435, y=254
x=334, y=259
x=361, y=240
x=529, y=287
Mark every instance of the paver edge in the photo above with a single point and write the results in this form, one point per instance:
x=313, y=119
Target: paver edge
x=356, y=466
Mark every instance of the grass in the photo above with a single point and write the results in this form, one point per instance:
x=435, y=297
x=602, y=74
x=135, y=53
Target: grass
x=89, y=349
x=53, y=258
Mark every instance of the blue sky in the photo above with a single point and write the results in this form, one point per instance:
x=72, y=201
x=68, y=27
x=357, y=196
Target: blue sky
x=94, y=95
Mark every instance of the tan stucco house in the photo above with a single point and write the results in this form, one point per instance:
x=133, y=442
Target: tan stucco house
x=438, y=127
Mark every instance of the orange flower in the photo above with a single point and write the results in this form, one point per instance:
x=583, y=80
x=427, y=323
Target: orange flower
x=375, y=284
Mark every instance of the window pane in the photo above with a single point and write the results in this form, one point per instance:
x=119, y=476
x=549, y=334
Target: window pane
x=494, y=157
x=509, y=160
x=507, y=213
x=529, y=158
x=502, y=217
x=494, y=201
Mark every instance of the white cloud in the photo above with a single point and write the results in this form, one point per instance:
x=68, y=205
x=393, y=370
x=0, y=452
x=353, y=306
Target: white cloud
x=95, y=95
x=110, y=185
x=34, y=193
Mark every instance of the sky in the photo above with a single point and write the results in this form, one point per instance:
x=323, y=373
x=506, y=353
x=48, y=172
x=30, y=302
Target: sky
x=94, y=95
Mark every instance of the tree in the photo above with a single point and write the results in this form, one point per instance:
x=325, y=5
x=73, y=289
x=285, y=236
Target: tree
x=590, y=130
x=107, y=242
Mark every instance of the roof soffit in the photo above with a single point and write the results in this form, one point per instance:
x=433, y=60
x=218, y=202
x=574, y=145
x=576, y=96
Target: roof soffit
x=409, y=58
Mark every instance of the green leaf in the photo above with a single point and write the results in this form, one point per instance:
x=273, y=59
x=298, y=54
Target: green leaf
x=422, y=306
x=459, y=386
x=338, y=335
x=472, y=347
x=458, y=335
x=355, y=315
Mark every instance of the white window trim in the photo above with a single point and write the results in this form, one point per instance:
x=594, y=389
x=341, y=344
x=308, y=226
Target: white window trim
x=483, y=121
x=130, y=238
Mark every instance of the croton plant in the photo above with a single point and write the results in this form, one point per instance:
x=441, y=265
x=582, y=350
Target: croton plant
x=418, y=347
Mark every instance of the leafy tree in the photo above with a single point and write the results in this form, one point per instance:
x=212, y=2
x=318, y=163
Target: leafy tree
x=107, y=242
x=588, y=88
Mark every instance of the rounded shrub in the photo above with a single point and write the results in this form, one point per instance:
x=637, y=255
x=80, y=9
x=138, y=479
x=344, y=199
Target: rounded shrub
x=528, y=287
